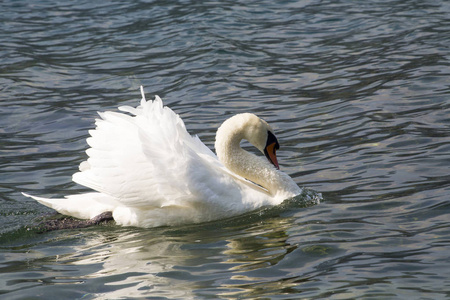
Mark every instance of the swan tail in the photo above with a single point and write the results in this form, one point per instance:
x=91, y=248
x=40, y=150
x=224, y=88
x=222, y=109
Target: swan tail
x=83, y=206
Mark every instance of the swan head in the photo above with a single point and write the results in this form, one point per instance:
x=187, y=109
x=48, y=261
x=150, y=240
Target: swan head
x=248, y=165
x=253, y=129
x=260, y=134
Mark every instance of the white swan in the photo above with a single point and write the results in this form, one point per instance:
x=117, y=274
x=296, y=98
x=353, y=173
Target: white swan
x=148, y=171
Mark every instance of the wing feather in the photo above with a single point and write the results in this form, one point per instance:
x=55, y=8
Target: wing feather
x=144, y=157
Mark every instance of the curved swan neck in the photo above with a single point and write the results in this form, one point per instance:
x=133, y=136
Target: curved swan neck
x=254, y=168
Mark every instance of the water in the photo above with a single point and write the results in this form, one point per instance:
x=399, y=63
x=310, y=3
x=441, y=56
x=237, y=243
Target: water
x=358, y=94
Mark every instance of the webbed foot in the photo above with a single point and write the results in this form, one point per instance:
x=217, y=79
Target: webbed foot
x=72, y=223
x=103, y=217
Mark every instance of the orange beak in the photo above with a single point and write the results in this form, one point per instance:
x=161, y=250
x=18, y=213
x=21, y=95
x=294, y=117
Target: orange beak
x=270, y=152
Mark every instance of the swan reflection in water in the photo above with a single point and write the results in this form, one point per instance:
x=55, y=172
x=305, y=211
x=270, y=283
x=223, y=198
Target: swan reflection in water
x=174, y=261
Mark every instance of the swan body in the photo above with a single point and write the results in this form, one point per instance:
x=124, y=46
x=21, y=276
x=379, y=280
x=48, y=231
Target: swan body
x=148, y=171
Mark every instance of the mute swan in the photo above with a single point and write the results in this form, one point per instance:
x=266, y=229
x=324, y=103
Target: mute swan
x=148, y=171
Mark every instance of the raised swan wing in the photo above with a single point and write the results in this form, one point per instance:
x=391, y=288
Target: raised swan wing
x=148, y=159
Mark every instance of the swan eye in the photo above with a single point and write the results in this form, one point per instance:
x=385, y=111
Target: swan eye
x=271, y=139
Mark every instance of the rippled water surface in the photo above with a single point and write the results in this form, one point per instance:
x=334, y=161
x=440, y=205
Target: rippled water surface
x=358, y=94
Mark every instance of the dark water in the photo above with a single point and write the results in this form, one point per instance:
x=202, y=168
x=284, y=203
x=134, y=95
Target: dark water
x=358, y=93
